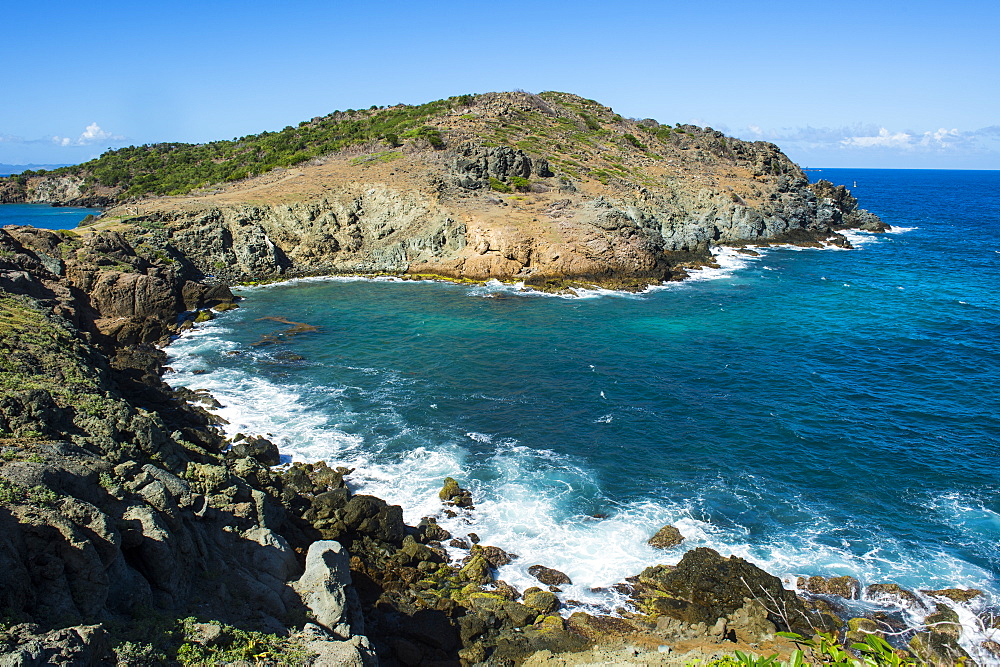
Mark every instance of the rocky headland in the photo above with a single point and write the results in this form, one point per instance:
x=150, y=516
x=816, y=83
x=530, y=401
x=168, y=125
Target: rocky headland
x=552, y=190
x=133, y=531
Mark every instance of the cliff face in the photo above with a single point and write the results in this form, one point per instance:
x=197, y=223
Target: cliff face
x=64, y=190
x=550, y=189
x=119, y=510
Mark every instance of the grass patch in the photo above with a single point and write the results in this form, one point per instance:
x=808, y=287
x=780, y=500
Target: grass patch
x=383, y=157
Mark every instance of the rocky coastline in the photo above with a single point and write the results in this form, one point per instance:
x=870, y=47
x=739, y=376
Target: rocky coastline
x=135, y=532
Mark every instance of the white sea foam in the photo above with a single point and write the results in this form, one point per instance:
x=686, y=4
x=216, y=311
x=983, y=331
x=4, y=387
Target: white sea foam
x=729, y=261
x=859, y=238
x=331, y=279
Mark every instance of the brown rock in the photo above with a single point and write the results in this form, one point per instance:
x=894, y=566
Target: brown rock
x=666, y=537
x=495, y=556
x=846, y=587
x=892, y=593
x=548, y=576
x=954, y=594
x=543, y=602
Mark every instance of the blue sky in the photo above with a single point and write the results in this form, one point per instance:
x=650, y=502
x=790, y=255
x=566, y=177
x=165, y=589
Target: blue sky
x=848, y=84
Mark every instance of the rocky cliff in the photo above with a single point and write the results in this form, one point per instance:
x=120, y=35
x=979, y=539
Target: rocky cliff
x=548, y=189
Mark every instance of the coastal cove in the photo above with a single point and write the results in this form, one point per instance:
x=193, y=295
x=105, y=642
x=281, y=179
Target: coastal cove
x=818, y=412
x=44, y=216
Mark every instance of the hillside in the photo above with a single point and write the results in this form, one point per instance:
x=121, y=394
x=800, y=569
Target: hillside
x=550, y=189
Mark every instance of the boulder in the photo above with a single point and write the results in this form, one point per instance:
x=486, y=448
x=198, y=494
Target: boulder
x=944, y=621
x=354, y=652
x=939, y=649
x=859, y=628
x=371, y=516
x=495, y=556
x=26, y=644
x=429, y=531
x=543, y=602
x=477, y=570
x=452, y=493
x=954, y=594
x=891, y=593
x=261, y=449
x=705, y=587
x=845, y=587
x=325, y=589
x=549, y=576
x=666, y=537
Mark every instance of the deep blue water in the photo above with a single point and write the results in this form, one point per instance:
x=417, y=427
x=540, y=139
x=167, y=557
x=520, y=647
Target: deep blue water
x=816, y=411
x=44, y=216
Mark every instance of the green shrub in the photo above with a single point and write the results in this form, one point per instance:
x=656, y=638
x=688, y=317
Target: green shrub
x=590, y=122
x=634, y=141
x=520, y=183
x=499, y=186
x=432, y=135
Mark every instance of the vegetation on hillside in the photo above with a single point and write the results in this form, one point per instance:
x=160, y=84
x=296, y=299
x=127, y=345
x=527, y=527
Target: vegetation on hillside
x=580, y=138
x=177, y=168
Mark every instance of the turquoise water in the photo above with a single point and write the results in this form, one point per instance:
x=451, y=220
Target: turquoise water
x=44, y=216
x=816, y=411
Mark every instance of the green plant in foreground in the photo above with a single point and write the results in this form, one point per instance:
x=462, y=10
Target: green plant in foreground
x=823, y=650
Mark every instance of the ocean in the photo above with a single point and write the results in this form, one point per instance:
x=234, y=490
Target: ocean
x=816, y=411
x=44, y=216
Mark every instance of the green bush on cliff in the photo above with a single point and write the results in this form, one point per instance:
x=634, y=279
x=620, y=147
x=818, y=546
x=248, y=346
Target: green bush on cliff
x=177, y=168
x=156, y=639
x=631, y=138
x=11, y=494
x=823, y=650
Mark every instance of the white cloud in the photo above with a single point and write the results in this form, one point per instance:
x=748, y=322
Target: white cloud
x=884, y=139
x=92, y=134
x=872, y=138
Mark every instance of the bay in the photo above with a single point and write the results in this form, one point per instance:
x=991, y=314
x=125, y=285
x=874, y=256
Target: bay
x=816, y=411
x=44, y=216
